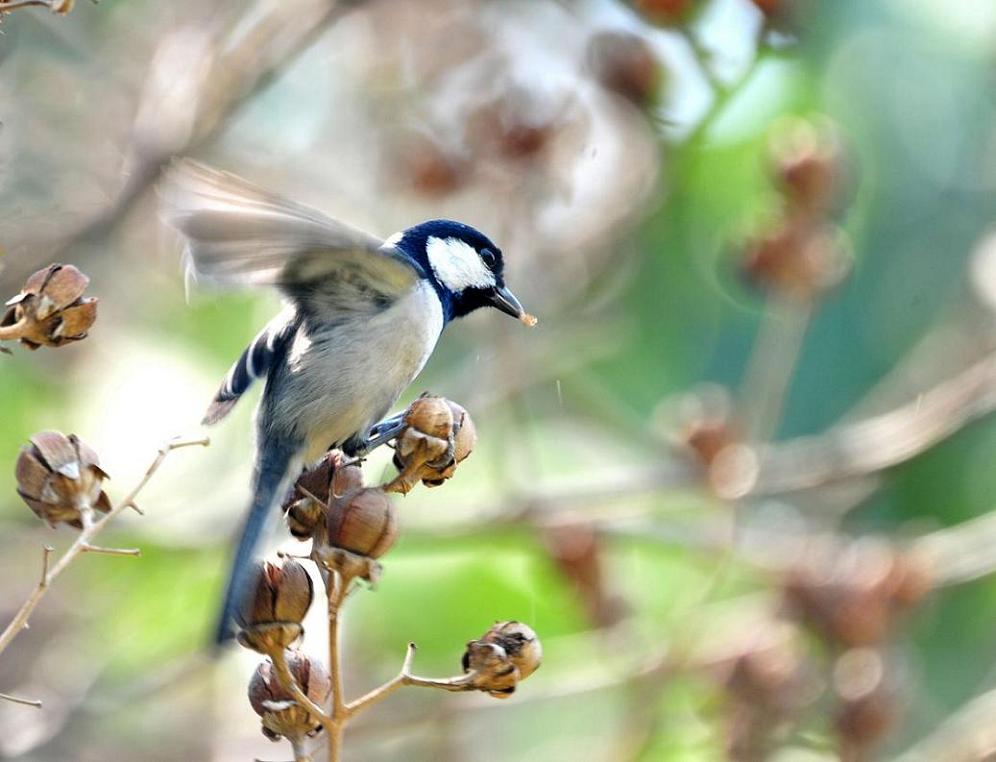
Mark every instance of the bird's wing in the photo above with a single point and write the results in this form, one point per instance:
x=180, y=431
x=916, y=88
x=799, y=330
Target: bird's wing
x=238, y=234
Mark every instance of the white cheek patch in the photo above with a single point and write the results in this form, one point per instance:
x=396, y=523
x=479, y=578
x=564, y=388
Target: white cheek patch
x=457, y=264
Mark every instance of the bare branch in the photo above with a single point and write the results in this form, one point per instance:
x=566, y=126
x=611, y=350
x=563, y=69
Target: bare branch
x=19, y=700
x=83, y=543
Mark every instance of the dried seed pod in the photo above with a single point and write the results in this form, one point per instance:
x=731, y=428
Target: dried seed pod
x=439, y=434
x=60, y=478
x=50, y=310
x=430, y=416
x=504, y=655
x=363, y=521
x=304, y=516
x=280, y=713
x=520, y=643
x=277, y=598
x=346, y=479
x=625, y=64
x=464, y=441
x=305, y=507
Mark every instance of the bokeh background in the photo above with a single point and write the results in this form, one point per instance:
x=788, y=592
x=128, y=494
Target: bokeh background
x=620, y=154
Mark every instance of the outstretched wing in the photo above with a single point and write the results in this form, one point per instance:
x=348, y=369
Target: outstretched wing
x=238, y=234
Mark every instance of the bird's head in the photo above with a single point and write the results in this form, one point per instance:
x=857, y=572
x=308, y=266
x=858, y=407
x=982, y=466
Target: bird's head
x=463, y=265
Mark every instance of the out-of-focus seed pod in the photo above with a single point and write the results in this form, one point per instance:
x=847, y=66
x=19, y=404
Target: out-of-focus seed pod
x=852, y=596
x=576, y=548
x=515, y=126
x=428, y=168
x=281, y=715
x=277, y=598
x=869, y=706
x=665, y=11
x=625, y=64
x=504, y=655
x=362, y=521
x=797, y=260
x=60, y=478
x=50, y=310
x=808, y=162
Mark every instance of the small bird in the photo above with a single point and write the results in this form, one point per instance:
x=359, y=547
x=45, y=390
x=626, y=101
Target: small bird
x=362, y=317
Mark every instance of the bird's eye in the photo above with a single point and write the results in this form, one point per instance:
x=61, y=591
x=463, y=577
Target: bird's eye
x=488, y=257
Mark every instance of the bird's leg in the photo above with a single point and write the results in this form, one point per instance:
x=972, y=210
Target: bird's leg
x=382, y=432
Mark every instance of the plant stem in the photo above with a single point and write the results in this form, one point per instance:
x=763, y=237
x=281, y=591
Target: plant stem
x=83, y=543
x=337, y=585
x=19, y=700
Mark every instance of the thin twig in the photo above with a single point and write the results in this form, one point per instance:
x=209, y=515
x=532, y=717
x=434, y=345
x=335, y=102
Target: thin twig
x=112, y=551
x=18, y=700
x=83, y=542
x=8, y=7
x=381, y=692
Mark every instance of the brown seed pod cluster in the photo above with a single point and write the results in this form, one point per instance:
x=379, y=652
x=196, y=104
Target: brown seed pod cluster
x=438, y=435
x=852, y=597
x=765, y=688
x=60, y=479
x=277, y=598
x=281, y=716
x=506, y=654
x=305, y=506
x=50, y=310
x=803, y=253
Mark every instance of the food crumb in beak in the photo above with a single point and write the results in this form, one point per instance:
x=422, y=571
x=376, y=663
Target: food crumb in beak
x=529, y=320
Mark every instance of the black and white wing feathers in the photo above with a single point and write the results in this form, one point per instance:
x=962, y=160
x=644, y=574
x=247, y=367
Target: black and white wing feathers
x=268, y=348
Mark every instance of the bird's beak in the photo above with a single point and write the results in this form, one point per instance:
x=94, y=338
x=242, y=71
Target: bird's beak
x=504, y=300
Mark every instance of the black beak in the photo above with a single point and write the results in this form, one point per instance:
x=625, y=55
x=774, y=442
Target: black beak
x=504, y=300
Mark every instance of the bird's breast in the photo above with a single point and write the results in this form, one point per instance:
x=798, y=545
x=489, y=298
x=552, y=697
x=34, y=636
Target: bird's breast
x=343, y=377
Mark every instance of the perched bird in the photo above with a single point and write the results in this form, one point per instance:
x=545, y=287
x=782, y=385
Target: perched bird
x=362, y=316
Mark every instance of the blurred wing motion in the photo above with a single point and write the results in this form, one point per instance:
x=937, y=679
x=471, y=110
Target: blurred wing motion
x=238, y=234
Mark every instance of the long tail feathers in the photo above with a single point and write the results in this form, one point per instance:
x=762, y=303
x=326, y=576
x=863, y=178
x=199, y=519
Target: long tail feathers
x=273, y=474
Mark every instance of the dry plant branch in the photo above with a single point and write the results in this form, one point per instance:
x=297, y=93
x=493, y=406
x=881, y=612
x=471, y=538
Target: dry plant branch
x=84, y=544
x=882, y=441
x=60, y=7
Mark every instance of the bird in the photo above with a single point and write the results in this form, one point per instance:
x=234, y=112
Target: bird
x=361, y=317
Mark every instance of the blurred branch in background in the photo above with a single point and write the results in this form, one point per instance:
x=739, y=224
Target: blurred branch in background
x=181, y=108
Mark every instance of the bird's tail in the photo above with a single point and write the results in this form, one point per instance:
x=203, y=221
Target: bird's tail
x=271, y=480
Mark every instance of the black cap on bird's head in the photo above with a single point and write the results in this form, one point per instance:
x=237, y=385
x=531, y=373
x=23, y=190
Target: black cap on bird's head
x=463, y=265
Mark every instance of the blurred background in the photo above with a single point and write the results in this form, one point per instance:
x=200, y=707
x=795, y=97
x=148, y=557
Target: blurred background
x=635, y=162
